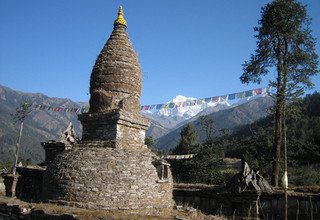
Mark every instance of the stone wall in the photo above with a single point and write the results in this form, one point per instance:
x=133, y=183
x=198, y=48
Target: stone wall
x=250, y=204
x=52, y=149
x=300, y=205
x=29, y=186
x=209, y=199
x=108, y=178
x=116, y=125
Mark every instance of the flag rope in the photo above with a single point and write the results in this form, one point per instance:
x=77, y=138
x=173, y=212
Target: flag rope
x=178, y=157
x=169, y=105
x=232, y=96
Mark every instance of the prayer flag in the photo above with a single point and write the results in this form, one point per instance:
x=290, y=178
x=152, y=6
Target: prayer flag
x=232, y=96
x=178, y=157
x=159, y=106
x=249, y=93
x=240, y=95
x=258, y=91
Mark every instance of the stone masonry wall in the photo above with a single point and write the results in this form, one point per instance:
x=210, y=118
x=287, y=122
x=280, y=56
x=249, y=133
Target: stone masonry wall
x=29, y=186
x=108, y=178
x=119, y=126
x=116, y=76
x=216, y=200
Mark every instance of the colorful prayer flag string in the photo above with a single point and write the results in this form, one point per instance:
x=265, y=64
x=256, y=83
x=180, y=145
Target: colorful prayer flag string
x=61, y=109
x=170, y=105
x=233, y=96
x=178, y=157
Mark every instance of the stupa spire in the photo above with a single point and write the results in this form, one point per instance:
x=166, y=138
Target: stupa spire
x=120, y=19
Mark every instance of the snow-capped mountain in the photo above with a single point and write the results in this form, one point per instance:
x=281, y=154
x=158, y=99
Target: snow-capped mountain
x=187, y=112
x=165, y=119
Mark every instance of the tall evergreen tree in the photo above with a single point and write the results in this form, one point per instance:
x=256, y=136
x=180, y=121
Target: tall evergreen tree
x=181, y=169
x=189, y=139
x=284, y=45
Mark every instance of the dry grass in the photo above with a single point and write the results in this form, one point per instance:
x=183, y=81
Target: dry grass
x=194, y=214
x=185, y=213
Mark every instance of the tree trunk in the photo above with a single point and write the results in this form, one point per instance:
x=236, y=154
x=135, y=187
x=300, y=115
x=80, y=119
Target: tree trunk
x=16, y=156
x=284, y=128
x=276, y=145
x=278, y=119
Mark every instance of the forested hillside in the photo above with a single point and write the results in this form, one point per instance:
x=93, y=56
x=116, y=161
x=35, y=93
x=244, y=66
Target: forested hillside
x=253, y=143
x=39, y=125
x=245, y=113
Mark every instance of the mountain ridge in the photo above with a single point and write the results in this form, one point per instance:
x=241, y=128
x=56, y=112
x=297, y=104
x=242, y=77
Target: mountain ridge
x=230, y=118
x=43, y=125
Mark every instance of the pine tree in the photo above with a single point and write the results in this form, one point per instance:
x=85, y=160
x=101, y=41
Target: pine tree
x=181, y=169
x=284, y=45
x=189, y=139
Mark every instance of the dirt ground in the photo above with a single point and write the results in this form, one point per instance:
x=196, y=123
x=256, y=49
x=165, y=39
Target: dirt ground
x=182, y=213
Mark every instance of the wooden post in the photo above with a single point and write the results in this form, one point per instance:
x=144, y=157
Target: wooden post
x=285, y=179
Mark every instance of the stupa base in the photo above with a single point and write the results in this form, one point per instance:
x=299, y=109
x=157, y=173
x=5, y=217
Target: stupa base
x=109, y=179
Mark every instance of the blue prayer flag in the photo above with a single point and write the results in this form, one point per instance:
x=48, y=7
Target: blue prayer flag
x=232, y=96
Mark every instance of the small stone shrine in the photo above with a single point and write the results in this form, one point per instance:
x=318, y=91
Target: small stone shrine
x=247, y=179
x=111, y=167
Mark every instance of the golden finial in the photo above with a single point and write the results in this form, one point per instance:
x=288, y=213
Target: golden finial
x=120, y=19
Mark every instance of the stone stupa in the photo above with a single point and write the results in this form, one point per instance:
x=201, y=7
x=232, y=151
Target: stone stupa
x=111, y=168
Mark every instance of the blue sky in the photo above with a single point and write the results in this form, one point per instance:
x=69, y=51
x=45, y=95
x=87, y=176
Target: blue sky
x=192, y=48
